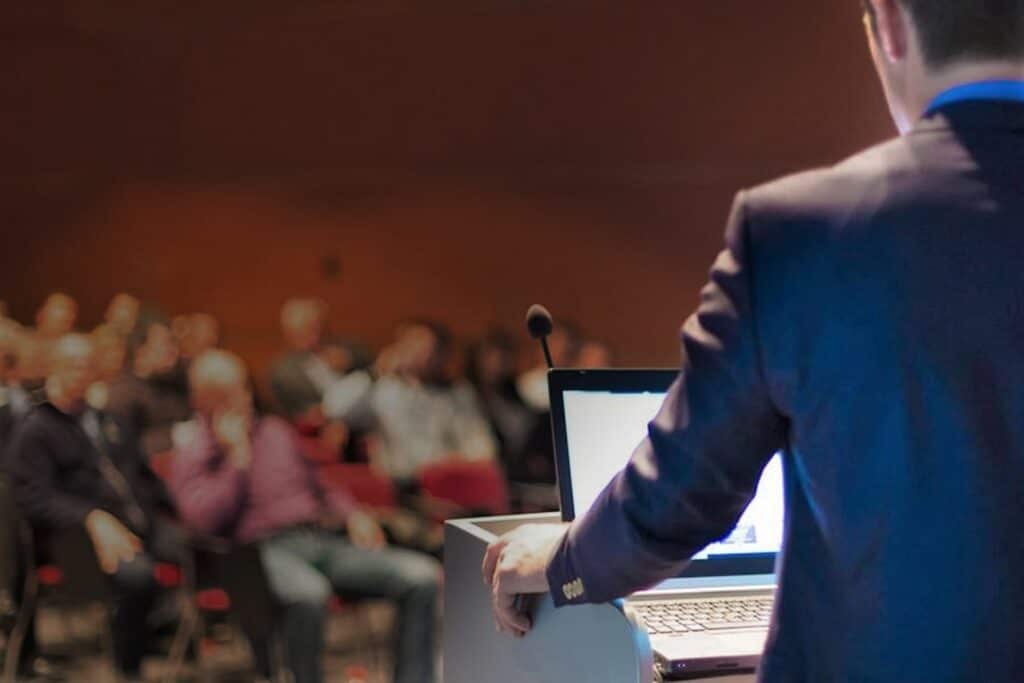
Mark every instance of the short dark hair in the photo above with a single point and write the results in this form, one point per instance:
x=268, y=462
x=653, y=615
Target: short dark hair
x=971, y=29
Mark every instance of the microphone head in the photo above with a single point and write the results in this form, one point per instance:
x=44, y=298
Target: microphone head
x=539, y=322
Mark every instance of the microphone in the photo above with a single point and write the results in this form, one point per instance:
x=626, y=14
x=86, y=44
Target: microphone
x=540, y=325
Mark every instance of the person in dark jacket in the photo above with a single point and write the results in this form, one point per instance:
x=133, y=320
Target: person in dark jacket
x=71, y=465
x=866, y=320
x=151, y=396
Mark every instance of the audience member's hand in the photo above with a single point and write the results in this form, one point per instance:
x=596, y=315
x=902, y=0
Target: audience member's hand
x=231, y=430
x=111, y=540
x=365, y=532
x=517, y=564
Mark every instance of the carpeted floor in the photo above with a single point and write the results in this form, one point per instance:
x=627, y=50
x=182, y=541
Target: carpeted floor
x=352, y=654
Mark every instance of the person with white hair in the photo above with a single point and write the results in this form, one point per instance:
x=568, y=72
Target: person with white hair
x=244, y=476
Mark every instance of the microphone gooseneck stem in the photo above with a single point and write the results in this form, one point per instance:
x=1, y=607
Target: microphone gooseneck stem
x=547, y=352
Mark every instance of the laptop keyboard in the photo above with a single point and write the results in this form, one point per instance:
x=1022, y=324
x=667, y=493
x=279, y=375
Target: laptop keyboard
x=688, y=616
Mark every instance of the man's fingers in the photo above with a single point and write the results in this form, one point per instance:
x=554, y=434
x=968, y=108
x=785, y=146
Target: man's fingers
x=107, y=563
x=126, y=552
x=491, y=560
x=507, y=611
x=107, y=558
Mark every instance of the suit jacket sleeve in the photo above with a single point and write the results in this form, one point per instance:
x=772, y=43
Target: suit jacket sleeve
x=689, y=481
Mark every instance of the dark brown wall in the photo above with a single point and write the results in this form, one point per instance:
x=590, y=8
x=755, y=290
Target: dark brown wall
x=461, y=158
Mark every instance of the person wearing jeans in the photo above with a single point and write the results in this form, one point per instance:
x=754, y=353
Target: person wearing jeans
x=244, y=477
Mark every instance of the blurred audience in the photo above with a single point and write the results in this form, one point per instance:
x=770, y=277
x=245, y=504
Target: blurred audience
x=122, y=314
x=151, y=394
x=14, y=404
x=56, y=317
x=111, y=352
x=73, y=466
x=244, y=476
x=564, y=342
x=299, y=378
x=536, y=463
x=15, y=399
x=196, y=333
x=595, y=355
x=491, y=369
x=419, y=412
x=75, y=435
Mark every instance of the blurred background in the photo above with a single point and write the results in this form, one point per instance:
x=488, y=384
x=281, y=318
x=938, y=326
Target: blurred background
x=363, y=191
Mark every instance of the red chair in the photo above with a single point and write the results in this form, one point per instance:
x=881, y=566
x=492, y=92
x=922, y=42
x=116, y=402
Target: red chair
x=163, y=464
x=315, y=451
x=362, y=482
x=478, y=487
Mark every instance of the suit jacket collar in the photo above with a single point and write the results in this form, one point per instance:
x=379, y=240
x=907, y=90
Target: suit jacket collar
x=1005, y=115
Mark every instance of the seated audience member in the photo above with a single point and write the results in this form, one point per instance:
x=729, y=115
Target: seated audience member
x=56, y=317
x=595, y=354
x=14, y=404
x=10, y=556
x=299, y=378
x=34, y=355
x=537, y=461
x=122, y=314
x=564, y=342
x=196, y=333
x=420, y=415
x=244, y=476
x=491, y=369
x=15, y=399
x=111, y=351
x=152, y=395
x=71, y=465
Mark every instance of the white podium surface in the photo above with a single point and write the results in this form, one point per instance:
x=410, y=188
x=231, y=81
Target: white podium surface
x=591, y=643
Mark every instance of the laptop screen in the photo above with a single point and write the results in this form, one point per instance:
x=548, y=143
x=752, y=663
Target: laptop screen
x=599, y=419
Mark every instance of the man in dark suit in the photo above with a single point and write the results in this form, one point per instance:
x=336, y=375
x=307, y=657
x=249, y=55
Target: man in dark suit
x=867, y=320
x=72, y=466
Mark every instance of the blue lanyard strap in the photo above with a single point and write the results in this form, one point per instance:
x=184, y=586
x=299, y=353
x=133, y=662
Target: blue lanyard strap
x=1012, y=91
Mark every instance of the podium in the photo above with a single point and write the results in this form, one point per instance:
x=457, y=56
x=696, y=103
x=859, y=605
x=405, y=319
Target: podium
x=587, y=643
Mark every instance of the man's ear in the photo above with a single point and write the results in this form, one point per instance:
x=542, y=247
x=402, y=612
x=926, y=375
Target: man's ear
x=889, y=21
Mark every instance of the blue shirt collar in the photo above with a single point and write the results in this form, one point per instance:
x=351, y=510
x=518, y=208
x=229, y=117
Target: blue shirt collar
x=1005, y=91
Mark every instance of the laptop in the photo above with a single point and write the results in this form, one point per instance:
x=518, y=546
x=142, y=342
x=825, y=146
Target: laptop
x=715, y=615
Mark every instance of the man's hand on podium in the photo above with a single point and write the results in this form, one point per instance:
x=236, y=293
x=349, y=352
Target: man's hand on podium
x=516, y=564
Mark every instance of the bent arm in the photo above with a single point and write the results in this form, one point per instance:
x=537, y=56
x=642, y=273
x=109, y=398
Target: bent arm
x=689, y=481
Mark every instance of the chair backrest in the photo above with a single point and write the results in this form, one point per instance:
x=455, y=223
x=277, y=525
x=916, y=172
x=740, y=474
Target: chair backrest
x=479, y=487
x=362, y=482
